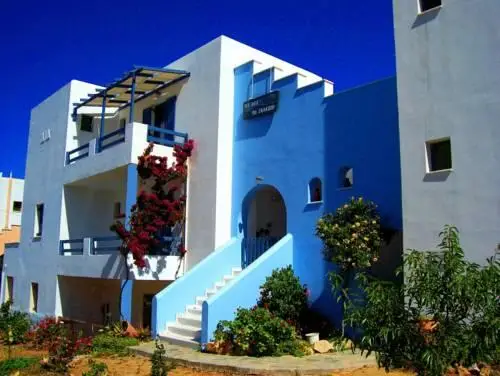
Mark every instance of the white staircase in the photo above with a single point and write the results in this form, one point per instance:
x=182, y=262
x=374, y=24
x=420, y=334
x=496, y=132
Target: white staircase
x=186, y=330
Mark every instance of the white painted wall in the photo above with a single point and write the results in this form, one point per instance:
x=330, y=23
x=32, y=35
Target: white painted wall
x=6, y=203
x=449, y=86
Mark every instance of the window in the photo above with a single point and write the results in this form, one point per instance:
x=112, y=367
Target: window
x=9, y=289
x=438, y=155
x=39, y=220
x=315, y=191
x=17, y=206
x=117, y=210
x=346, y=177
x=34, y=297
x=426, y=5
x=86, y=123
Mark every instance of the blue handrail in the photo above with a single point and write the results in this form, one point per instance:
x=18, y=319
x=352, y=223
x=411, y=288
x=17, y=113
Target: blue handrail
x=100, y=141
x=166, y=137
x=254, y=247
x=84, y=147
x=103, y=249
x=76, y=251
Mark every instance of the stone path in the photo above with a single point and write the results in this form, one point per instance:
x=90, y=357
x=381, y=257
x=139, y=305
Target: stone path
x=316, y=364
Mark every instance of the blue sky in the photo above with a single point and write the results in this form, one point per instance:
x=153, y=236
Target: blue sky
x=48, y=43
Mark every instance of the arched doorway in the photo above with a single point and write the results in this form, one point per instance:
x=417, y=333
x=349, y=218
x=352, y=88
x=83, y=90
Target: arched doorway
x=264, y=221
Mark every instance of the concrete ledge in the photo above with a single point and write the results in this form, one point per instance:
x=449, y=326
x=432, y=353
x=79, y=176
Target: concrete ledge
x=325, y=364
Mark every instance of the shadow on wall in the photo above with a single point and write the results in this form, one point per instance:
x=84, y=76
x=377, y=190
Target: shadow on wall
x=255, y=129
x=114, y=266
x=425, y=17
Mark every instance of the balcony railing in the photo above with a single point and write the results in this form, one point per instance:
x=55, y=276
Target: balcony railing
x=104, y=245
x=111, y=139
x=254, y=247
x=81, y=152
x=160, y=136
x=166, y=137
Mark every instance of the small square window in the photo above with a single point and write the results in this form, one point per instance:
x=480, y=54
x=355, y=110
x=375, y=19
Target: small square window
x=17, y=206
x=34, y=297
x=426, y=5
x=439, y=155
x=86, y=123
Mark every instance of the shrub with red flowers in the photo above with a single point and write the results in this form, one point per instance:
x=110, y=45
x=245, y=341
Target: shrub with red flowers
x=43, y=334
x=160, y=203
x=64, y=348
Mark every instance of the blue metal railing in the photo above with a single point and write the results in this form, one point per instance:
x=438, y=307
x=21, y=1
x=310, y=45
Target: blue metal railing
x=166, y=137
x=105, y=244
x=253, y=248
x=83, y=152
x=77, y=250
x=169, y=246
x=116, y=137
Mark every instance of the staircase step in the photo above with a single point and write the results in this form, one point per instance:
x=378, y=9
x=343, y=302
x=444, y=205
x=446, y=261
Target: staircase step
x=219, y=285
x=210, y=292
x=236, y=271
x=200, y=300
x=179, y=340
x=188, y=331
x=189, y=320
x=228, y=278
x=194, y=309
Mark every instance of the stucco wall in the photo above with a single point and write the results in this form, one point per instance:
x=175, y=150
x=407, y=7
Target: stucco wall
x=312, y=136
x=449, y=86
x=8, y=217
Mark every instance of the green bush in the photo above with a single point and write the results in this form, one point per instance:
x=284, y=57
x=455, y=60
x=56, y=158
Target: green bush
x=284, y=296
x=18, y=322
x=14, y=364
x=96, y=369
x=159, y=364
x=447, y=312
x=108, y=344
x=257, y=332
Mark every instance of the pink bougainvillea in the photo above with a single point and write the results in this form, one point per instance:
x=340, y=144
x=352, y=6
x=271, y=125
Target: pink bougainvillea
x=159, y=207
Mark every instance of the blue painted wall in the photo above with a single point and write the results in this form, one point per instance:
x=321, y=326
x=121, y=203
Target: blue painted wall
x=312, y=136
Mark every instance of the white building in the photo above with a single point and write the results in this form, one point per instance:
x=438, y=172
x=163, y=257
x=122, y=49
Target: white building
x=11, y=205
x=449, y=104
x=81, y=175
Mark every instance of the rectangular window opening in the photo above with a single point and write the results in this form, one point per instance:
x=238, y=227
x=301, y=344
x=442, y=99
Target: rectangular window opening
x=439, y=155
x=39, y=220
x=86, y=123
x=117, y=211
x=34, y=297
x=425, y=5
x=9, y=289
x=17, y=206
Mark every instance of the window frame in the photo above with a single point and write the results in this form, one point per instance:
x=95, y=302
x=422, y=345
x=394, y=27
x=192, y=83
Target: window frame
x=14, y=206
x=39, y=214
x=422, y=11
x=81, y=127
x=344, y=170
x=429, y=155
x=34, y=297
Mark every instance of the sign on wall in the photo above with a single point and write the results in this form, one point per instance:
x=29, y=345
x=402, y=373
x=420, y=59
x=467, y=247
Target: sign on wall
x=264, y=105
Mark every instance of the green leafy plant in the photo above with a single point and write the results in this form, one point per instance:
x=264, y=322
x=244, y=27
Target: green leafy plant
x=96, y=369
x=257, y=332
x=105, y=343
x=14, y=322
x=447, y=312
x=159, y=364
x=14, y=364
x=284, y=296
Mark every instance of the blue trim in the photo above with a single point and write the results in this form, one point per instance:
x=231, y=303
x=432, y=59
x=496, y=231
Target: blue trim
x=164, y=141
x=104, y=249
x=83, y=155
x=103, y=115
x=132, y=102
x=126, y=302
x=131, y=195
x=100, y=146
x=63, y=250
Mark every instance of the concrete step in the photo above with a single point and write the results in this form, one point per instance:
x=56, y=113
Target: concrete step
x=181, y=330
x=228, y=278
x=194, y=309
x=189, y=320
x=200, y=300
x=175, y=339
x=236, y=271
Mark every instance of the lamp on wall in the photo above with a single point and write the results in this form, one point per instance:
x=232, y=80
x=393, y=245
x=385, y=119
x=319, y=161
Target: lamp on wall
x=259, y=179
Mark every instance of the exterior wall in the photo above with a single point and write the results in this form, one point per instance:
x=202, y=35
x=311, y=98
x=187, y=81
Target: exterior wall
x=9, y=236
x=311, y=136
x=11, y=190
x=448, y=86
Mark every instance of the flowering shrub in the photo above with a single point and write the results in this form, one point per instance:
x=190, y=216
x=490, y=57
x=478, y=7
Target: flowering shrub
x=43, y=333
x=14, y=325
x=284, y=296
x=352, y=235
x=63, y=349
x=158, y=209
x=257, y=332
